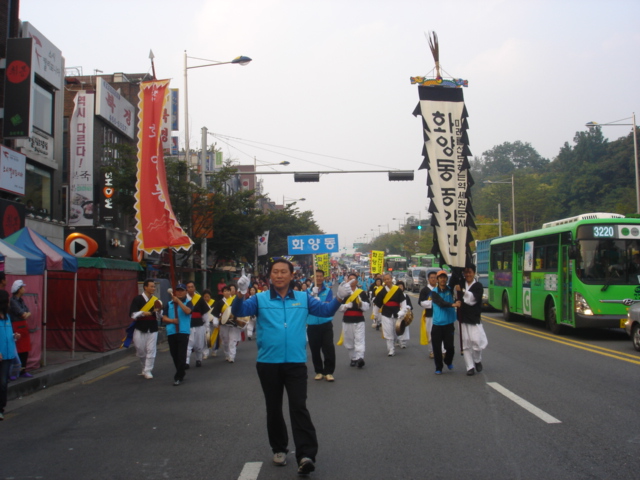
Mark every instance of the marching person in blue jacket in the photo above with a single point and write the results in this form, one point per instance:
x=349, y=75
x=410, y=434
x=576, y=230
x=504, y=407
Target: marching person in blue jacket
x=282, y=355
x=444, y=317
x=320, y=333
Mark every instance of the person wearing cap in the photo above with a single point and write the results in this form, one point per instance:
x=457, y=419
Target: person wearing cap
x=281, y=320
x=391, y=305
x=19, y=313
x=145, y=315
x=474, y=340
x=178, y=329
x=444, y=317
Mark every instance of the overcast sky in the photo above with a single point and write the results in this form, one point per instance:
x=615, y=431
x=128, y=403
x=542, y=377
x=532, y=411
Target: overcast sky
x=330, y=82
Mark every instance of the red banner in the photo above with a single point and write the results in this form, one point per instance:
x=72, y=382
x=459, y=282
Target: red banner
x=156, y=223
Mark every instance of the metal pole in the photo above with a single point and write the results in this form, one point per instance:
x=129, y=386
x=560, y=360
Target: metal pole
x=499, y=220
x=186, y=112
x=635, y=156
x=203, y=180
x=513, y=204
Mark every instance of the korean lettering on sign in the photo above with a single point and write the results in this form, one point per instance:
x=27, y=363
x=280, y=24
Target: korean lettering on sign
x=312, y=244
x=377, y=261
x=322, y=263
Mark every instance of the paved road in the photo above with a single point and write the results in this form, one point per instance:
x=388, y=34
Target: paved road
x=544, y=407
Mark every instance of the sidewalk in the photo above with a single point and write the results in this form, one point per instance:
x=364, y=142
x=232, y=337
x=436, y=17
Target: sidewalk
x=62, y=368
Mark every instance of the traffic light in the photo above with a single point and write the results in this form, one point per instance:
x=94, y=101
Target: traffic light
x=416, y=227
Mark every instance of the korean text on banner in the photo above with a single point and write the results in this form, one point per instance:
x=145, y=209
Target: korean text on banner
x=444, y=121
x=322, y=263
x=156, y=223
x=376, y=261
x=81, y=160
x=313, y=244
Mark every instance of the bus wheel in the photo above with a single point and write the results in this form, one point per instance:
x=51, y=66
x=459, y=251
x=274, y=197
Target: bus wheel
x=551, y=318
x=506, y=311
x=635, y=336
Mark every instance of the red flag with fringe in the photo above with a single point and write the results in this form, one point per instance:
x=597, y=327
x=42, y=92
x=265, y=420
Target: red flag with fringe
x=156, y=223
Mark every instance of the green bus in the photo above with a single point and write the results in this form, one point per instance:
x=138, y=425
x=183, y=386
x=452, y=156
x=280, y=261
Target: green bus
x=395, y=263
x=416, y=259
x=560, y=273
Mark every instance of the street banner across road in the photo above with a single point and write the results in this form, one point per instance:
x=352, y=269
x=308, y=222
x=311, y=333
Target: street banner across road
x=312, y=244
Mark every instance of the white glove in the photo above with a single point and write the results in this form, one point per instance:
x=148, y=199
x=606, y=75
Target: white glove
x=426, y=304
x=348, y=305
x=343, y=308
x=402, y=314
x=243, y=283
x=314, y=290
x=345, y=290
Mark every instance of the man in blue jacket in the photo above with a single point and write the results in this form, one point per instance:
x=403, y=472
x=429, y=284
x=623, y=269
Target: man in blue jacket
x=320, y=333
x=282, y=355
x=444, y=316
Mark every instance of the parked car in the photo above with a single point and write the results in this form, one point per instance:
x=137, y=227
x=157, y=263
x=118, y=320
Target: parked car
x=632, y=326
x=416, y=278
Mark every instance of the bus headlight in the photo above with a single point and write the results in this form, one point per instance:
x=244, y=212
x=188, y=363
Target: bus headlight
x=581, y=305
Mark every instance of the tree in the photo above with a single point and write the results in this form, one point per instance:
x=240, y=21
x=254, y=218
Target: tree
x=504, y=159
x=283, y=223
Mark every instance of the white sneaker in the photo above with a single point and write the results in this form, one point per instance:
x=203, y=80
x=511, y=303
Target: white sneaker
x=148, y=375
x=280, y=459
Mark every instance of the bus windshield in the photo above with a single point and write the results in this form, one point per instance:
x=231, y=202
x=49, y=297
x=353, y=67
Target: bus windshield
x=609, y=261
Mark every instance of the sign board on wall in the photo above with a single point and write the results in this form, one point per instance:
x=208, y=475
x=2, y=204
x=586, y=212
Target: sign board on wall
x=12, y=171
x=48, y=62
x=17, y=88
x=81, y=206
x=115, y=109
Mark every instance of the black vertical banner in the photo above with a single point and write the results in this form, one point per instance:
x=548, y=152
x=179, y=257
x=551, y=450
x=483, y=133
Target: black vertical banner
x=17, y=88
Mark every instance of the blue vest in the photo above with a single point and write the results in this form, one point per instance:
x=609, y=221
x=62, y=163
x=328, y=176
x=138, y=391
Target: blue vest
x=325, y=295
x=183, y=318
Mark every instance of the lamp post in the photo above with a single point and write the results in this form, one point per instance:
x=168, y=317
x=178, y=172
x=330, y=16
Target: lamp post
x=399, y=224
x=513, y=201
x=388, y=231
x=635, y=149
x=240, y=61
x=292, y=199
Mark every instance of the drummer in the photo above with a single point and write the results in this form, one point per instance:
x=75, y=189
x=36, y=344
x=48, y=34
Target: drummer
x=390, y=303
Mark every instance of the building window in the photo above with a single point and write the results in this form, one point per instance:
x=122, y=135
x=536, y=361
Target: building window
x=109, y=153
x=37, y=195
x=42, y=109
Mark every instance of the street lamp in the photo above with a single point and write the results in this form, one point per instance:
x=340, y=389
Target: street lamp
x=292, y=199
x=513, y=202
x=388, y=231
x=240, y=61
x=635, y=149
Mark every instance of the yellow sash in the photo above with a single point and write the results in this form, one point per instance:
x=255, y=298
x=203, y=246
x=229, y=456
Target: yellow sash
x=211, y=302
x=227, y=305
x=195, y=299
x=389, y=294
x=377, y=289
x=150, y=304
x=354, y=296
x=424, y=335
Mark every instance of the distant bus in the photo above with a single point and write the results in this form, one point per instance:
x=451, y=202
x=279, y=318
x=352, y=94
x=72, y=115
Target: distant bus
x=559, y=274
x=395, y=263
x=430, y=261
x=416, y=259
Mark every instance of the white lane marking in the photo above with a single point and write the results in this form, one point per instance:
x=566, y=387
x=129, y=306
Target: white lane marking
x=250, y=471
x=542, y=415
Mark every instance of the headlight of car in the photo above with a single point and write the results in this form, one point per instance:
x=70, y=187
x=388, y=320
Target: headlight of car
x=581, y=305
